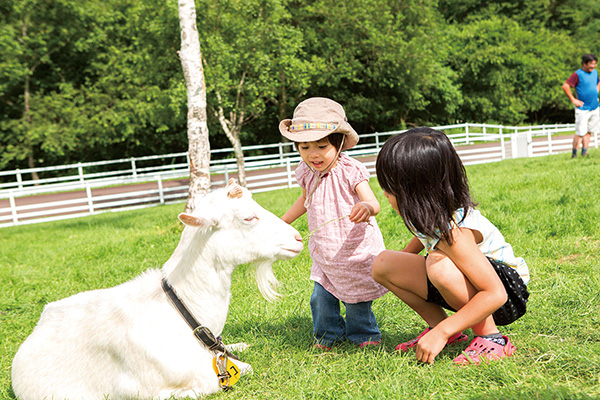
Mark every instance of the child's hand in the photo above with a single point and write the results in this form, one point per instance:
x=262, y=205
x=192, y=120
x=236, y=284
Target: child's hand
x=430, y=346
x=361, y=212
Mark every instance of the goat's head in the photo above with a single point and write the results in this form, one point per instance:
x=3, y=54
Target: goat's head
x=236, y=230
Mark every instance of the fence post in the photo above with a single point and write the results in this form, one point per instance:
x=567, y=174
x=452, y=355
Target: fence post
x=288, y=169
x=549, y=135
x=226, y=173
x=88, y=192
x=13, y=207
x=161, y=194
x=280, y=147
x=467, y=133
x=19, y=179
x=133, y=170
x=376, y=140
x=502, y=145
x=80, y=172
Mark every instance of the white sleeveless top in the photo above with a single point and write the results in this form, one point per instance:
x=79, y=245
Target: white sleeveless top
x=493, y=244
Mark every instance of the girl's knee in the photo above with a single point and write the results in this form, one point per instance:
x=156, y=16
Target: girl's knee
x=381, y=266
x=442, y=272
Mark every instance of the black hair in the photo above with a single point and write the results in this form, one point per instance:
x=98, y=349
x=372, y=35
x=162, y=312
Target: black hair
x=588, y=58
x=335, y=139
x=422, y=170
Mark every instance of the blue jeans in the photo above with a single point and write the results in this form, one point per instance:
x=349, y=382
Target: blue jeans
x=328, y=325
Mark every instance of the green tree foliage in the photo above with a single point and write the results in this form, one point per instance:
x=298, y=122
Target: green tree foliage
x=86, y=80
x=506, y=72
x=253, y=63
x=95, y=74
x=136, y=96
x=43, y=44
x=384, y=60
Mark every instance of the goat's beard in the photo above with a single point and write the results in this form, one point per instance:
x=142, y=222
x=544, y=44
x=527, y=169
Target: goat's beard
x=266, y=280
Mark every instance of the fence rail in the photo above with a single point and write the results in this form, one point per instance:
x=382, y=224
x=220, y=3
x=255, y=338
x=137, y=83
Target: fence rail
x=95, y=187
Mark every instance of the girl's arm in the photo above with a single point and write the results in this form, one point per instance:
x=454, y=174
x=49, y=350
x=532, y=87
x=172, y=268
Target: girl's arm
x=489, y=292
x=368, y=206
x=414, y=246
x=296, y=210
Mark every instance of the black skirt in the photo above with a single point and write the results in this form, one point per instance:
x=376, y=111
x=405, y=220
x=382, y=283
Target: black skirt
x=516, y=290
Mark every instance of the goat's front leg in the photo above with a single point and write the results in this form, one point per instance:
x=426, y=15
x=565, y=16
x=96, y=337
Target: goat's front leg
x=244, y=368
x=237, y=346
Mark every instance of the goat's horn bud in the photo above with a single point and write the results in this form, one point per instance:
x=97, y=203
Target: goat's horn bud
x=235, y=192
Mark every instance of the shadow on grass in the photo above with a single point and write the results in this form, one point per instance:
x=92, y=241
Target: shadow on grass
x=11, y=394
x=392, y=339
x=296, y=332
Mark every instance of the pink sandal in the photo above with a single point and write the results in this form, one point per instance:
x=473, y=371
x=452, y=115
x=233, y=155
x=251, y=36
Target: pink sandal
x=321, y=347
x=369, y=343
x=456, y=338
x=482, y=349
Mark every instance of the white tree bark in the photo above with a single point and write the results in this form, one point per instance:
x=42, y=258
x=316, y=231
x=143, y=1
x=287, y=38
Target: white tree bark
x=232, y=128
x=197, y=127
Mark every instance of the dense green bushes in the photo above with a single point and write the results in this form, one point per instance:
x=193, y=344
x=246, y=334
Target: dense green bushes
x=87, y=80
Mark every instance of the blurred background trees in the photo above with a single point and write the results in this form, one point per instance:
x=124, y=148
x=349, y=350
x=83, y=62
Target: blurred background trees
x=84, y=80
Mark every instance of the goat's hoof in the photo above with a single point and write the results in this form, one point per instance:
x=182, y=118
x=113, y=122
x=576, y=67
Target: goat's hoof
x=237, y=346
x=245, y=369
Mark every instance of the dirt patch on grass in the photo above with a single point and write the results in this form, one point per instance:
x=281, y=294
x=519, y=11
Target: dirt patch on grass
x=571, y=258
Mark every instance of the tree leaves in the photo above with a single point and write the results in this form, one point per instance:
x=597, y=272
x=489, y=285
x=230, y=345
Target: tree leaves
x=105, y=79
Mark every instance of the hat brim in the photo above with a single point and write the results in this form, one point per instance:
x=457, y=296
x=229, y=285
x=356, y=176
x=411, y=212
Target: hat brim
x=312, y=135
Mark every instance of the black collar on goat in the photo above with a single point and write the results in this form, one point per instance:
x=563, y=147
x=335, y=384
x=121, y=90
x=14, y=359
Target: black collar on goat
x=202, y=333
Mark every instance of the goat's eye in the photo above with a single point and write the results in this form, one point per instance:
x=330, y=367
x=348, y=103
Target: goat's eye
x=251, y=219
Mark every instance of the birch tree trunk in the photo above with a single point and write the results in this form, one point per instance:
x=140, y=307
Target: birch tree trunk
x=197, y=127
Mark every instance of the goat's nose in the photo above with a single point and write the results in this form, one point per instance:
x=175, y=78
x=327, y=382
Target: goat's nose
x=298, y=237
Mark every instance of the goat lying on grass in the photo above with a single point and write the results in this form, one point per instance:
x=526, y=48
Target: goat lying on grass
x=131, y=341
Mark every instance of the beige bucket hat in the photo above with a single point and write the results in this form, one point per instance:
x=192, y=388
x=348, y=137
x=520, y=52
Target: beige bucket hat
x=315, y=118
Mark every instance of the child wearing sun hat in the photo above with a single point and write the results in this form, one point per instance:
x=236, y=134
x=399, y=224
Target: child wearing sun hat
x=340, y=208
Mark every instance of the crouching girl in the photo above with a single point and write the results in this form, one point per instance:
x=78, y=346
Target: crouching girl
x=469, y=267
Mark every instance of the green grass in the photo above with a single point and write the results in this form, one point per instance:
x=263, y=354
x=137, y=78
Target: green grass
x=548, y=208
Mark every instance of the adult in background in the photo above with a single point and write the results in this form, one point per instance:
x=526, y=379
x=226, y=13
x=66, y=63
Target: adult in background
x=587, y=116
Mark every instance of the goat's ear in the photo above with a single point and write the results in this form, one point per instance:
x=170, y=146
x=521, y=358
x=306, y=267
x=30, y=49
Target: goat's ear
x=191, y=220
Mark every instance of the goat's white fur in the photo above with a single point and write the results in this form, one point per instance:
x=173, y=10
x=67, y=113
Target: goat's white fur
x=129, y=342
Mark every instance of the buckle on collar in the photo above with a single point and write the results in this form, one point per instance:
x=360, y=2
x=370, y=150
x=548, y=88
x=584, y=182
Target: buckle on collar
x=204, y=334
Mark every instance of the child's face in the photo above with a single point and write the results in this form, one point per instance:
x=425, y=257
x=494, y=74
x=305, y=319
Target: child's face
x=318, y=154
x=392, y=200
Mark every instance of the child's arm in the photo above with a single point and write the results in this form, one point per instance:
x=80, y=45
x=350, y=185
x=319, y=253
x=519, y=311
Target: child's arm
x=489, y=296
x=368, y=206
x=296, y=210
x=414, y=246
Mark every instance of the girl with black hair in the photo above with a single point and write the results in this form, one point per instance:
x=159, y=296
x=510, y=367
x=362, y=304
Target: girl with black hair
x=469, y=268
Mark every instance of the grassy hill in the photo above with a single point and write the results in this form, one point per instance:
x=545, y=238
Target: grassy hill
x=548, y=208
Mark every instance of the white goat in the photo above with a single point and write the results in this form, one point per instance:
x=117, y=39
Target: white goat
x=130, y=341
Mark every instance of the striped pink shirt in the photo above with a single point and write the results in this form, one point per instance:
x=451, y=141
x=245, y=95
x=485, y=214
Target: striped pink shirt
x=342, y=252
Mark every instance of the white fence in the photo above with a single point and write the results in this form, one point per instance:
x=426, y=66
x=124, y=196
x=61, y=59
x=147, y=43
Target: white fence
x=90, y=188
